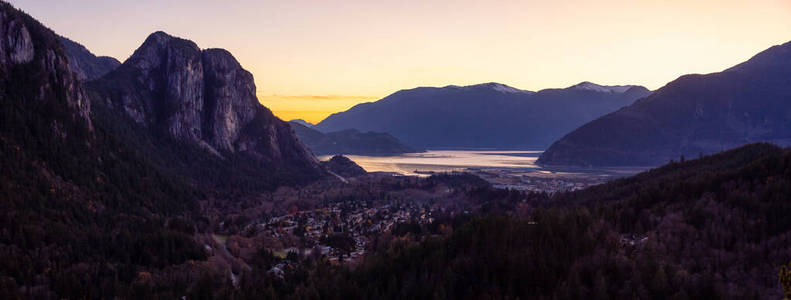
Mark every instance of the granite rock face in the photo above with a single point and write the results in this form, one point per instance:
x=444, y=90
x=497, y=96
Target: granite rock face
x=20, y=45
x=168, y=73
x=229, y=98
x=34, y=68
x=204, y=96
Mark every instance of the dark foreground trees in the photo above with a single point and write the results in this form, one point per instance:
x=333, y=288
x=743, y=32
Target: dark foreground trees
x=712, y=228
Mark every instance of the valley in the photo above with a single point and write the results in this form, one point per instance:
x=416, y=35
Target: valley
x=515, y=169
x=164, y=176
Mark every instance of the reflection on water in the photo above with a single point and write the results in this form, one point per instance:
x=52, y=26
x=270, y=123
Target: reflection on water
x=447, y=160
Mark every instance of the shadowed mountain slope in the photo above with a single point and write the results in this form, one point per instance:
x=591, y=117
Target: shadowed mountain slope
x=490, y=115
x=692, y=115
x=349, y=141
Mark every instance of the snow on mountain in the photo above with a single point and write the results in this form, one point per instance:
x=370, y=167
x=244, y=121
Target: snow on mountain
x=494, y=86
x=586, y=85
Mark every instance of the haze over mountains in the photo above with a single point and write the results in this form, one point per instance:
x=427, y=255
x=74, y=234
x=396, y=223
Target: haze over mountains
x=489, y=115
x=692, y=115
x=349, y=141
x=302, y=122
x=87, y=65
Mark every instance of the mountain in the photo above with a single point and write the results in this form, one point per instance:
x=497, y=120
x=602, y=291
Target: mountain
x=35, y=73
x=87, y=65
x=349, y=141
x=79, y=208
x=489, y=115
x=103, y=184
x=303, y=123
x=205, y=99
x=690, y=116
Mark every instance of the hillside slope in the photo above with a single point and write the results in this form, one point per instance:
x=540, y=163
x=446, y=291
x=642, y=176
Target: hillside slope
x=87, y=65
x=81, y=212
x=490, y=115
x=693, y=115
x=349, y=141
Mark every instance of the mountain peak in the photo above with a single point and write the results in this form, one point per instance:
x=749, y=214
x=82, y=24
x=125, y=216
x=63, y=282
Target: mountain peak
x=203, y=97
x=488, y=115
x=590, y=86
x=493, y=86
x=160, y=37
x=498, y=87
x=160, y=40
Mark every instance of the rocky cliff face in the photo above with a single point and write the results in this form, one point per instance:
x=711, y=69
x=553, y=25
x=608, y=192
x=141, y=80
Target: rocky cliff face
x=229, y=99
x=34, y=69
x=203, y=96
x=161, y=85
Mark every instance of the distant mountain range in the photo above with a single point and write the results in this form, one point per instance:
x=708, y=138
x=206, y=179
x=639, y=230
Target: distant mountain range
x=87, y=65
x=690, y=116
x=489, y=115
x=350, y=141
x=302, y=122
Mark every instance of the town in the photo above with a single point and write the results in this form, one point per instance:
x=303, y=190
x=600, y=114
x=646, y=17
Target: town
x=342, y=230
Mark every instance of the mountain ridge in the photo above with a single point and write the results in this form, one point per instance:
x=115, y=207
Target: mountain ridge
x=349, y=141
x=488, y=115
x=87, y=65
x=692, y=115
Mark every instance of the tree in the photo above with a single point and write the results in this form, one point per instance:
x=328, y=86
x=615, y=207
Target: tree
x=785, y=280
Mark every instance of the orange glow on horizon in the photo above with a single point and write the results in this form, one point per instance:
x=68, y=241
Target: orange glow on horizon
x=311, y=108
x=312, y=116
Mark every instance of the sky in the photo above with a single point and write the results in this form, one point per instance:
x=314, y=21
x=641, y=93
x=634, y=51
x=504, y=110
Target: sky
x=313, y=58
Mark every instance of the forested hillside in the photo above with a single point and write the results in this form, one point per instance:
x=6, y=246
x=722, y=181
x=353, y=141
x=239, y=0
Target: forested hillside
x=81, y=214
x=714, y=227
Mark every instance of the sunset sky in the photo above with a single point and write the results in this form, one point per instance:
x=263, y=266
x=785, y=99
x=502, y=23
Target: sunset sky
x=312, y=58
